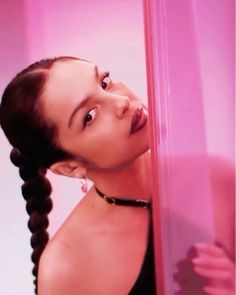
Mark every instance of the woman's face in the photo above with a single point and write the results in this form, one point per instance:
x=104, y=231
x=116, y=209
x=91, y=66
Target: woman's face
x=94, y=114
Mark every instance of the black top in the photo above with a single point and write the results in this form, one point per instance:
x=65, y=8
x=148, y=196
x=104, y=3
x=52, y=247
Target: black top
x=145, y=283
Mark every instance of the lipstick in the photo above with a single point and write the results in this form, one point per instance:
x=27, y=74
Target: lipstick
x=139, y=120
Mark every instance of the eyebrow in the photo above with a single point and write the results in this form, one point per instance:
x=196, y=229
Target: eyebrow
x=83, y=102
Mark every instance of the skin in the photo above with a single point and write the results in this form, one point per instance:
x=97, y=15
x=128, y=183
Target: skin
x=98, y=238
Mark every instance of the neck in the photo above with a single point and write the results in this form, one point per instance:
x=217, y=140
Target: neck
x=131, y=181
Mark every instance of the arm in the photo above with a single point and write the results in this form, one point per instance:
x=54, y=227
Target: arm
x=216, y=262
x=222, y=178
x=66, y=270
x=54, y=273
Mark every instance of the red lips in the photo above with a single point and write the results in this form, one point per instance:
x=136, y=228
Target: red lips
x=139, y=120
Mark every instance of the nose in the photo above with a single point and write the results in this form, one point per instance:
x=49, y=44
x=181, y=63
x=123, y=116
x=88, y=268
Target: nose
x=122, y=105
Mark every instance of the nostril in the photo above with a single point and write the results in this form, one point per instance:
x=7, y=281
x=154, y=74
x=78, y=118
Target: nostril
x=123, y=106
x=126, y=104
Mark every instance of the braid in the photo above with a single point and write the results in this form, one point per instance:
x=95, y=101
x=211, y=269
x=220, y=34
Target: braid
x=36, y=192
x=36, y=145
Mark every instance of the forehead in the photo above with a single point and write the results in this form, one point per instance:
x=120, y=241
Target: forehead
x=67, y=76
x=67, y=84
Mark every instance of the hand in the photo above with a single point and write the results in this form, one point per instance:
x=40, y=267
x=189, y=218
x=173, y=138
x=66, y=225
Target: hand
x=214, y=264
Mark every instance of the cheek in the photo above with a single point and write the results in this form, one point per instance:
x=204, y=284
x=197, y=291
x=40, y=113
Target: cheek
x=106, y=131
x=106, y=143
x=105, y=149
x=109, y=154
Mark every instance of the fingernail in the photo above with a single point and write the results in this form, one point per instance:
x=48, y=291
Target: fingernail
x=197, y=260
x=200, y=245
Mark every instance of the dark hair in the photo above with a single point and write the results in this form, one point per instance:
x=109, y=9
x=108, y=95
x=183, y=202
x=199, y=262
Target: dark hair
x=35, y=146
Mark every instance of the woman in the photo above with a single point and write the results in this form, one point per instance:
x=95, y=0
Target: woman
x=84, y=127
x=67, y=115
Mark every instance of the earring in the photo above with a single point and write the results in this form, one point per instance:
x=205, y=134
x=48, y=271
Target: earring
x=83, y=184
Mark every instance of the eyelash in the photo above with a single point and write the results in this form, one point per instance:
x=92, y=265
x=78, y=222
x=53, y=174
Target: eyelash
x=105, y=75
x=84, y=119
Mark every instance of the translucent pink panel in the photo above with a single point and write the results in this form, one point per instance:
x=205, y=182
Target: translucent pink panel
x=189, y=53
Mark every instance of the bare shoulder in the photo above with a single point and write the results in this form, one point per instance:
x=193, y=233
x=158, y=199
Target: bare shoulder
x=221, y=170
x=62, y=264
x=222, y=173
x=54, y=270
x=222, y=180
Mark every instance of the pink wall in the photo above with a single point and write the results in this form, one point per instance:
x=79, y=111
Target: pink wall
x=12, y=38
x=105, y=32
x=14, y=243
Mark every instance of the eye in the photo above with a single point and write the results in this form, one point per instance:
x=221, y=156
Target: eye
x=106, y=80
x=89, y=117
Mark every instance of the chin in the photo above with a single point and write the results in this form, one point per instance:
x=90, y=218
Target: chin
x=146, y=149
x=142, y=151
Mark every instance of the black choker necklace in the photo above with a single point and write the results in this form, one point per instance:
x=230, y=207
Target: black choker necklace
x=123, y=202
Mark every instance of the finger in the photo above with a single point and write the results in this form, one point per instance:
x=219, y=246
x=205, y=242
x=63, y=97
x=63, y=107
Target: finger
x=217, y=291
x=220, y=263
x=210, y=250
x=213, y=273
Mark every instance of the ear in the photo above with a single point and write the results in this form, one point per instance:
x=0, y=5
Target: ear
x=69, y=168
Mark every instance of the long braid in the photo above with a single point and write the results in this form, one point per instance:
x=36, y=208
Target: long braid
x=35, y=146
x=36, y=191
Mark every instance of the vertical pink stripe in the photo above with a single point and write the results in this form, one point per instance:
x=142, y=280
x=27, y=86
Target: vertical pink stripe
x=182, y=85
x=150, y=45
